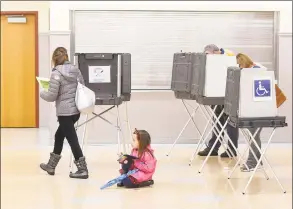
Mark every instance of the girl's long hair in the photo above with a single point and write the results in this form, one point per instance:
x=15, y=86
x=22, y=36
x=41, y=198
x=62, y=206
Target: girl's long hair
x=144, y=140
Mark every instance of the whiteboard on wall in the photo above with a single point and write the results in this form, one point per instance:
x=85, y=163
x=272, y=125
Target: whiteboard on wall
x=152, y=37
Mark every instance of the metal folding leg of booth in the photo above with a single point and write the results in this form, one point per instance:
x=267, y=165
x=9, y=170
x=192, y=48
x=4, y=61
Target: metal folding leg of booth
x=203, y=136
x=220, y=138
x=126, y=146
x=120, y=143
x=246, y=135
x=191, y=115
x=251, y=139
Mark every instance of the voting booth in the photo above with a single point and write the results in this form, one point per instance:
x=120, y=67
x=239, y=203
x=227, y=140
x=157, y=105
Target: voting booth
x=201, y=77
x=250, y=102
x=182, y=84
x=182, y=75
x=109, y=76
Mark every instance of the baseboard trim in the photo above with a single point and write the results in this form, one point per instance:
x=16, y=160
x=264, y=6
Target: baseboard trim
x=44, y=34
x=68, y=32
x=285, y=34
x=165, y=141
x=166, y=145
x=183, y=142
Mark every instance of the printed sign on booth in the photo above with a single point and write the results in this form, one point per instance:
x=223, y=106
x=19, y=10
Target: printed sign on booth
x=262, y=89
x=99, y=74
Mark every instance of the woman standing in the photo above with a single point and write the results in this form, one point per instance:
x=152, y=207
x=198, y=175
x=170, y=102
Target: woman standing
x=245, y=61
x=62, y=90
x=232, y=132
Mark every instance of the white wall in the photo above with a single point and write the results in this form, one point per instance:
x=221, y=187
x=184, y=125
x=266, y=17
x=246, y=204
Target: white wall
x=162, y=114
x=159, y=112
x=42, y=7
x=59, y=10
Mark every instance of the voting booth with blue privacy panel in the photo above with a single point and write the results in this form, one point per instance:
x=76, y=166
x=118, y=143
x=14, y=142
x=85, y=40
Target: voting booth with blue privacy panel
x=251, y=98
x=201, y=77
x=250, y=104
x=109, y=76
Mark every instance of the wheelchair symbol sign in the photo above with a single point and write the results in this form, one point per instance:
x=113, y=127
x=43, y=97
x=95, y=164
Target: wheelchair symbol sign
x=262, y=90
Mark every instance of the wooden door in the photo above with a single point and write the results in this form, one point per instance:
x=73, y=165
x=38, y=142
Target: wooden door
x=19, y=103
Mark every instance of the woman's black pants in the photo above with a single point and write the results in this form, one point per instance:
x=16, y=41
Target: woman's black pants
x=67, y=130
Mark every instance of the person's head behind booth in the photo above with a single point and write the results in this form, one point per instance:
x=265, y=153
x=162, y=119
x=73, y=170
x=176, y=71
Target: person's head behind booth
x=244, y=61
x=213, y=49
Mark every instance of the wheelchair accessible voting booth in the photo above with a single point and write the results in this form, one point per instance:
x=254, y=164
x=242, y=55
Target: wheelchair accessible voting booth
x=250, y=103
x=201, y=77
x=109, y=76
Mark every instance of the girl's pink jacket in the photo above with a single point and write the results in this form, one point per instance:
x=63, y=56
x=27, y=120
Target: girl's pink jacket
x=146, y=165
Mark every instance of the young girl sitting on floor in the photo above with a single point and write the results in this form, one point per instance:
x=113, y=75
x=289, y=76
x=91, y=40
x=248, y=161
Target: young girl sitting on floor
x=141, y=158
